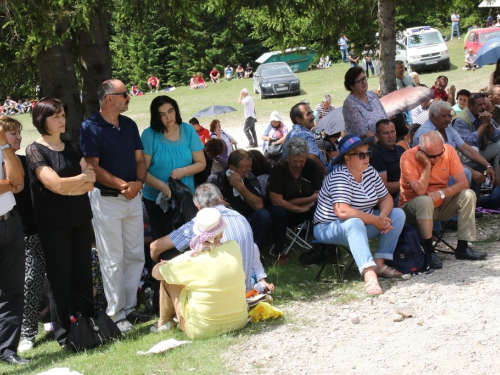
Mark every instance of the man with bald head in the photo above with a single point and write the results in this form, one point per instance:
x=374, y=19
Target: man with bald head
x=425, y=194
x=110, y=142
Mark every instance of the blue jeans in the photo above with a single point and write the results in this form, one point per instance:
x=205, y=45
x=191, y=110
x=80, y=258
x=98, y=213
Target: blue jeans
x=343, y=54
x=355, y=234
x=491, y=201
x=354, y=64
x=454, y=26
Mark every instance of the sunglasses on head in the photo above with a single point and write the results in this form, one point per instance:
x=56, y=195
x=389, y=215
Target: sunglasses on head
x=477, y=95
x=362, y=155
x=432, y=156
x=124, y=94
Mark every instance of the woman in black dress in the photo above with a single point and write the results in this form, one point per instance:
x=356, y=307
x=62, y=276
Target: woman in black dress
x=60, y=180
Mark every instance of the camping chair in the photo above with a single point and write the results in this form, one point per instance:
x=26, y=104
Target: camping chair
x=439, y=238
x=331, y=254
x=294, y=235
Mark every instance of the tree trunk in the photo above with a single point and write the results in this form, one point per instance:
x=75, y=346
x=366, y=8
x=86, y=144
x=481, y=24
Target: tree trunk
x=387, y=37
x=95, y=57
x=56, y=66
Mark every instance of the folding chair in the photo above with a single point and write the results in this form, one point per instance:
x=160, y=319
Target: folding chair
x=439, y=238
x=331, y=254
x=295, y=237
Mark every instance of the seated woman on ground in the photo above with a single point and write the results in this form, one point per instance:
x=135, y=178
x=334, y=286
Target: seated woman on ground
x=346, y=212
x=207, y=284
x=193, y=83
x=201, y=81
x=135, y=90
x=248, y=71
x=275, y=134
x=217, y=151
x=239, y=72
x=294, y=184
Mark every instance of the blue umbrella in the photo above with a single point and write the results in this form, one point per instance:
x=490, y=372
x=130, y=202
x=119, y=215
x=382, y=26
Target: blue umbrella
x=214, y=111
x=489, y=53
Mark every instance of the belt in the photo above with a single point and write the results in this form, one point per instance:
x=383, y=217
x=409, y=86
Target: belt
x=6, y=216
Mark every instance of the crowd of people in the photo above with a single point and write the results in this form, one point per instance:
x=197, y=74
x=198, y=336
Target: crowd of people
x=11, y=107
x=66, y=197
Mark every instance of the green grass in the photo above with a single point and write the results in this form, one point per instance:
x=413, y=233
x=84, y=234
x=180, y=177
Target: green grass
x=293, y=282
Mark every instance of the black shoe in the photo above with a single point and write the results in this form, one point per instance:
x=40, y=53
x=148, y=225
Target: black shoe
x=14, y=359
x=470, y=254
x=136, y=317
x=435, y=262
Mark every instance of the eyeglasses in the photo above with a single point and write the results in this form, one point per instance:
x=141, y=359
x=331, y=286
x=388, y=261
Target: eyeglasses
x=362, y=155
x=361, y=80
x=432, y=156
x=124, y=94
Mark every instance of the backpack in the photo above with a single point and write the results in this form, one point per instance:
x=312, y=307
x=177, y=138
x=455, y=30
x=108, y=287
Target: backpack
x=410, y=256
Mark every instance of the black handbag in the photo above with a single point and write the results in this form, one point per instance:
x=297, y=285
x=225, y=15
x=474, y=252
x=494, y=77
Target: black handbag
x=91, y=332
x=183, y=206
x=274, y=149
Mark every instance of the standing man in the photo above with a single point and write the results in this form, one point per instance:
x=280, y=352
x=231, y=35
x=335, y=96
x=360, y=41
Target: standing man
x=153, y=83
x=11, y=255
x=343, y=47
x=455, y=18
x=250, y=118
x=111, y=143
x=353, y=56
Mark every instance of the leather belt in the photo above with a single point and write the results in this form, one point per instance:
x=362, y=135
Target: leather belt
x=6, y=216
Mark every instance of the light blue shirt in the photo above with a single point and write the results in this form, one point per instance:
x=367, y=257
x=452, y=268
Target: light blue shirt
x=452, y=137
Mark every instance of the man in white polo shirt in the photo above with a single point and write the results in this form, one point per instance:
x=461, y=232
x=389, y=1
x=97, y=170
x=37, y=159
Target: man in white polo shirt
x=11, y=255
x=250, y=118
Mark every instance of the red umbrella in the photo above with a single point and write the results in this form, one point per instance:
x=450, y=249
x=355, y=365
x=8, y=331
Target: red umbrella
x=406, y=99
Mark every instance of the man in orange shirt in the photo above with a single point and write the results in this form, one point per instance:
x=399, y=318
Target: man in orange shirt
x=425, y=194
x=203, y=133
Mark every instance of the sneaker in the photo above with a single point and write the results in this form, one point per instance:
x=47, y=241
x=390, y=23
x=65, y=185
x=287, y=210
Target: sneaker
x=168, y=326
x=136, y=317
x=25, y=345
x=124, y=325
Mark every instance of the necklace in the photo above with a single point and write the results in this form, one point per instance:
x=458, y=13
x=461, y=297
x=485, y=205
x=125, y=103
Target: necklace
x=299, y=184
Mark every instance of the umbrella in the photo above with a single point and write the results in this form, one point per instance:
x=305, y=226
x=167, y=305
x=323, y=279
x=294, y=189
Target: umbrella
x=214, y=111
x=406, y=99
x=489, y=53
x=332, y=123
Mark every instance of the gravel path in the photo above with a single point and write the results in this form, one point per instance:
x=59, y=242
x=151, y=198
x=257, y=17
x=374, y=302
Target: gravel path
x=440, y=323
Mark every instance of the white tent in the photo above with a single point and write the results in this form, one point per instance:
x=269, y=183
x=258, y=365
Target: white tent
x=489, y=3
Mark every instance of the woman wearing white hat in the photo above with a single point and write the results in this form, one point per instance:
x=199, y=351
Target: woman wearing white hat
x=207, y=284
x=274, y=134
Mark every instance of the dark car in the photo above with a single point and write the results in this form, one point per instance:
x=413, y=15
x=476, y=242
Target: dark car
x=275, y=79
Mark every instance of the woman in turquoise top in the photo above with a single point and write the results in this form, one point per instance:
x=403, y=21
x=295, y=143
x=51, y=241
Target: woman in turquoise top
x=172, y=148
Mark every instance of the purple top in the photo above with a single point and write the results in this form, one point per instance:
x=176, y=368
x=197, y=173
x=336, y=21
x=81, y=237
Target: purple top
x=359, y=117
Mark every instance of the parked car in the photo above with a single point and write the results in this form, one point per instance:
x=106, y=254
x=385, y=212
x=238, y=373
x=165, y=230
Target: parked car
x=275, y=79
x=476, y=38
x=425, y=49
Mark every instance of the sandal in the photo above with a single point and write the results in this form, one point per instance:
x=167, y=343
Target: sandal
x=391, y=274
x=373, y=288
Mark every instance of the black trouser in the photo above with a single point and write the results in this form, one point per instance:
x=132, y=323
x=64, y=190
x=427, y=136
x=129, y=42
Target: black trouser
x=68, y=259
x=249, y=130
x=11, y=283
x=281, y=219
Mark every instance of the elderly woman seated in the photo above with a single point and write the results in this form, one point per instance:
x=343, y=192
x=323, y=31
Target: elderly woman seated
x=294, y=185
x=206, y=285
x=346, y=212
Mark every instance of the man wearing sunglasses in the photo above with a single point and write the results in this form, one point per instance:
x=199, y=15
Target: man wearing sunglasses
x=110, y=142
x=476, y=127
x=425, y=194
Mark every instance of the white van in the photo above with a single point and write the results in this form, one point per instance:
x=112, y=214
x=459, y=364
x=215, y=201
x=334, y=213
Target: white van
x=425, y=49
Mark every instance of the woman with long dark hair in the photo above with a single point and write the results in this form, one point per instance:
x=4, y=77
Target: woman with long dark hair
x=60, y=180
x=172, y=148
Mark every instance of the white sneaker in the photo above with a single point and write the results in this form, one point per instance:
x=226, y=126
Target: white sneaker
x=124, y=325
x=25, y=345
x=166, y=327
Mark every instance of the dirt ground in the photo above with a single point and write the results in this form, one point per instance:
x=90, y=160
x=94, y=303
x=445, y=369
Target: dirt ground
x=445, y=322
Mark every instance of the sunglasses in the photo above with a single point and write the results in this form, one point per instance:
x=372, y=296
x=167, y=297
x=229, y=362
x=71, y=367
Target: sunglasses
x=124, y=94
x=361, y=80
x=432, y=156
x=362, y=155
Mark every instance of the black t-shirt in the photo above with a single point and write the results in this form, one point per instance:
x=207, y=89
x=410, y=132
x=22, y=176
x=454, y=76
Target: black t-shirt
x=23, y=202
x=384, y=160
x=49, y=208
x=237, y=203
x=282, y=181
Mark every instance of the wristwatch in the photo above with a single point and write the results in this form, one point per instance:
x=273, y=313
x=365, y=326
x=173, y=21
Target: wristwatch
x=3, y=147
x=441, y=194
